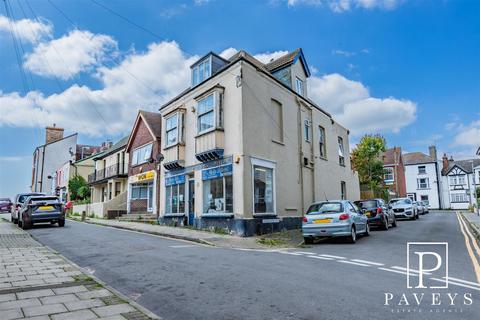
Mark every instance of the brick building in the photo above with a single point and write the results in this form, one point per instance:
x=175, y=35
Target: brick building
x=394, y=172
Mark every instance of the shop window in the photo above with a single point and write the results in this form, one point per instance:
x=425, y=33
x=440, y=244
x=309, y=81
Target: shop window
x=263, y=190
x=218, y=195
x=140, y=191
x=175, y=199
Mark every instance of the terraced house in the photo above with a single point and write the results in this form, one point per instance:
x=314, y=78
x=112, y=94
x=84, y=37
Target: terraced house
x=246, y=150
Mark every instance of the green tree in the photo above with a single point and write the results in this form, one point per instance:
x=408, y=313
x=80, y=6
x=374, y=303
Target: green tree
x=78, y=188
x=366, y=160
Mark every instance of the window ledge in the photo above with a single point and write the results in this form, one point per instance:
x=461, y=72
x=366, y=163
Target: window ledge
x=172, y=215
x=208, y=131
x=278, y=142
x=217, y=215
x=174, y=145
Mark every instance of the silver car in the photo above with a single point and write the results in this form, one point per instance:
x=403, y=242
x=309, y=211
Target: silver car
x=403, y=208
x=420, y=207
x=338, y=218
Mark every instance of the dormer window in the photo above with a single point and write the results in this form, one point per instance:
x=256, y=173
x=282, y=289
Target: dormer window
x=202, y=70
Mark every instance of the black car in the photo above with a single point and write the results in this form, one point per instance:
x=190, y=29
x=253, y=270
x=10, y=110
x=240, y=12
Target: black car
x=377, y=213
x=41, y=209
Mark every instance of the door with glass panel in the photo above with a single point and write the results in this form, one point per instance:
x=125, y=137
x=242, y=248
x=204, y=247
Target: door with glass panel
x=150, y=197
x=191, y=201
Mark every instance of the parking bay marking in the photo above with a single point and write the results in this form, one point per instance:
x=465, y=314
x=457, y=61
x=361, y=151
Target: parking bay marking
x=368, y=262
x=321, y=258
x=461, y=280
x=330, y=256
x=456, y=283
x=355, y=263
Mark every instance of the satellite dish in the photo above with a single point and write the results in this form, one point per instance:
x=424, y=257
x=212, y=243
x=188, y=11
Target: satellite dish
x=159, y=157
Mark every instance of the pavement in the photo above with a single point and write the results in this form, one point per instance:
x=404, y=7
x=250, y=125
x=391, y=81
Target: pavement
x=474, y=221
x=38, y=283
x=179, y=279
x=199, y=236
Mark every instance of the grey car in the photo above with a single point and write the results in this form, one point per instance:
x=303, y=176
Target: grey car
x=18, y=203
x=339, y=218
x=41, y=209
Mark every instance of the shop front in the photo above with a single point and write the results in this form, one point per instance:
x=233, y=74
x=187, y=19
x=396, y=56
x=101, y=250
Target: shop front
x=141, y=192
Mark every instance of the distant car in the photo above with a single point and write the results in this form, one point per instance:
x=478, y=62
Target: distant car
x=403, y=208
x=18, y=202
x=41, y=209
x=420, y=207
x=376, y=210
x=339, y=218
x=5, y=205
x=425, y=206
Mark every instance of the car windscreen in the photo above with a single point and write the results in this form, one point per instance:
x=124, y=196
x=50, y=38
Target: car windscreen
x=400, y=201
x=367, y=204
x=325, y=207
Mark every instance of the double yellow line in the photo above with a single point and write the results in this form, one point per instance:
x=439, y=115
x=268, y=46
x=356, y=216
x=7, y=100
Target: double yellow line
x=469, y=236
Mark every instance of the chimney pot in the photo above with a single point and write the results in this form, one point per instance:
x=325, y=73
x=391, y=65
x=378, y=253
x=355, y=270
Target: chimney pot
x=53, y=134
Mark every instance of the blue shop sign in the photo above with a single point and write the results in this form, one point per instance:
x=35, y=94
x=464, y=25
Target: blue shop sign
x=217, y=172
x=174, y=180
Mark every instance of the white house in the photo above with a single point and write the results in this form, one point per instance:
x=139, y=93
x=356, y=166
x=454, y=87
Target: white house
x=422, y=177
x=460, y=179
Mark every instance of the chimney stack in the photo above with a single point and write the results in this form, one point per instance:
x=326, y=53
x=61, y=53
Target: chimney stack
x=432, y=151
x=444, y=162
x=52, y=134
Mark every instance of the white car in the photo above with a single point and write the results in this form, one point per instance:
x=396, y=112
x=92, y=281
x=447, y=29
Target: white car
x=403, y=208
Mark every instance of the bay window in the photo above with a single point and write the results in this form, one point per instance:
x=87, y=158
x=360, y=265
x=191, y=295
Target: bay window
x=218, y=190
x=173, y=129
x=142, y=154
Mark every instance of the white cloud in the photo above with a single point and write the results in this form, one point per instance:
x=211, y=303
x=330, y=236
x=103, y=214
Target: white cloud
x=76, y=52
x=143, y=80
x=351, y=105
x=347, y=5
x=468, y=135
x=228, y=53
x=26, y=29
x=268, y=56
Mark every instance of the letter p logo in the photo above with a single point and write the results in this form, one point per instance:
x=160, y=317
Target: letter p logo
x=427, y=259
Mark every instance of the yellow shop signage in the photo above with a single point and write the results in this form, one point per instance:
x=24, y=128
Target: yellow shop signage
x=144, y=176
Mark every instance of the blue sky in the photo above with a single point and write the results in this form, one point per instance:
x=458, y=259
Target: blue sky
x=405, y=69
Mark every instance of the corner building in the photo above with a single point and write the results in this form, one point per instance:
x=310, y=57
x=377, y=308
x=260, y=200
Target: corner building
x=246, y=150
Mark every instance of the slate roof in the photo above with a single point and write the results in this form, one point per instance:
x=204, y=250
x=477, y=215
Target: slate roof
x=282, y=61
x=416, y=158
x=153, y=121
x=117, y=146
x=465, y=165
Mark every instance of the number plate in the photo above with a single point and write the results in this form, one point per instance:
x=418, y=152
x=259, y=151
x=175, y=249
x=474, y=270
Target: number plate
x=45, y=208
x=322, y=221
x=368, y=214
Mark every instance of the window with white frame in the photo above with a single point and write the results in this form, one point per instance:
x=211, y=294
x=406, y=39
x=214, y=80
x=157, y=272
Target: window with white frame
x=388, y=174
x=458, y=197
x=423, y=183
x=299, y=86
x=322, y=142
x=263, y=187
x=175, y=198
x=341, y=152
x=453, y=180
x=422, y=170
x=307, y=125
x=461, y=179
x=343, y=190
x=218, y=190
x=142, y=154
x=201, y=71
x=140, y=190
x=209, y=113
x=172, y=129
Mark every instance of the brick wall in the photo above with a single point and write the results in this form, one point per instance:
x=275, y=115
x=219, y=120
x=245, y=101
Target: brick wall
x=138, y=205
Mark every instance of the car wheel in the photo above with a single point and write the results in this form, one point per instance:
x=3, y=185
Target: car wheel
x=367, y=230
x=19, y=223
x=394, y=223
x=61, y=223
x=26, y=226
x=385, y=224
x=307, y=240
x=352, y=238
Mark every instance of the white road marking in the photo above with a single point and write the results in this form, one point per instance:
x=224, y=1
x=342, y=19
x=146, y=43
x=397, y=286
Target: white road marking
x=355, y=263
x=321, y=258
x=411, y=270
x=463, y=281
x=290, y=253
x=396, y=271
x=456, y=284
x=369, y=262
x=330, y=256
x=183, y=246
x=303, y=252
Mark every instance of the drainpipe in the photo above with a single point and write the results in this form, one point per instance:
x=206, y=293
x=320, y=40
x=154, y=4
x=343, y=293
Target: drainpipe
x=43, y=164
x=438, y=187
x=300, y=155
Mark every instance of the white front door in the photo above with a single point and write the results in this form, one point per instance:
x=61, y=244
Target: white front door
x=150, y=197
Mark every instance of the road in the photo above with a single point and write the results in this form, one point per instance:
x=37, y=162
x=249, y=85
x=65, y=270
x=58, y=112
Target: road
x=328, y=280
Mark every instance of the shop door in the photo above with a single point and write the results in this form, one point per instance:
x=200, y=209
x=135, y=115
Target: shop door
x=191, y=201
x=150, y=197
